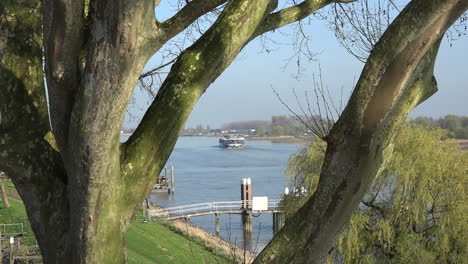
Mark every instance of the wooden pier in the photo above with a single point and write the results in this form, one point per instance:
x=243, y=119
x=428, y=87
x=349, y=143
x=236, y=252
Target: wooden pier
x=217, y=208
x=163, y=184
x=247, y=206
x=191, y=210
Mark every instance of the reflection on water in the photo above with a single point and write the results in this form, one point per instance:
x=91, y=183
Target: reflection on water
x=205, y=172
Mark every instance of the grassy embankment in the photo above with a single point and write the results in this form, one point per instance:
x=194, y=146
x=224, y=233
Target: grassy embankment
x=146, y=242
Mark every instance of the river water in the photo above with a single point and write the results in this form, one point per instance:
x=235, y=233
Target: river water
x=204, y=172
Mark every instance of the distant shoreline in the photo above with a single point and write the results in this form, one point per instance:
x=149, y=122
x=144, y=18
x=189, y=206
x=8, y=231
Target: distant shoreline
x=283, y=139
x=293, y=139
x=279, y=139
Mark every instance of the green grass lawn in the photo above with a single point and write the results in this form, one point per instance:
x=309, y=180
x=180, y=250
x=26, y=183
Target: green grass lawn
x=9, y=186
x=16, y=214
x=146, y=242
x=156, y=243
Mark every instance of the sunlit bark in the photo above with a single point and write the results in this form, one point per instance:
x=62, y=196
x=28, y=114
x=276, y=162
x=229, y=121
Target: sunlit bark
x=397, y=76
x=80, y=186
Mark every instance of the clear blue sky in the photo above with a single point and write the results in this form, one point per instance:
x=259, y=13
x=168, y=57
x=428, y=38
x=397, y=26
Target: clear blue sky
x=244, y=90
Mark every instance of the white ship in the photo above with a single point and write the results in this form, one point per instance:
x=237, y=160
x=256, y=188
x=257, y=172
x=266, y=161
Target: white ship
x=231, y=141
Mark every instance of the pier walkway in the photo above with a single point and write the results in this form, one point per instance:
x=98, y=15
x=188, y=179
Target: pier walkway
x=229, y=207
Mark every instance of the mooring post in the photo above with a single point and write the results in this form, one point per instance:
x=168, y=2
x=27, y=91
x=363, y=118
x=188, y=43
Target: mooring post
x=172, y=180
x=217, y=224
x=275, y=223
x=247, y=229
x=246, y=193
x=273, y=220
x=247, y=221
x=278, y=221
x=169, y=189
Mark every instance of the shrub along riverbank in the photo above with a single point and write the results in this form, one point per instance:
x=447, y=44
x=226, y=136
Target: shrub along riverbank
x=147, y=242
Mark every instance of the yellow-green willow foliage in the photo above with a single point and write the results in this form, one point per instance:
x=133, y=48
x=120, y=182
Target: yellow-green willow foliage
x=416, y=211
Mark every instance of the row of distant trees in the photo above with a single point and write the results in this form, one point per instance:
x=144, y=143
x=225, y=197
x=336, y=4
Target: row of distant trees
x=456, y=125
x=277, y=126
x=200, y=129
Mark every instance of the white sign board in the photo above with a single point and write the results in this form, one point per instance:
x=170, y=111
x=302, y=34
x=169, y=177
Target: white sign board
x=259, y=203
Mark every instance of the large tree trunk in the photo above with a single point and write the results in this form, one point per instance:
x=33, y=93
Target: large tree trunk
x=79, y=184
x=25, y=156
x=397, y=76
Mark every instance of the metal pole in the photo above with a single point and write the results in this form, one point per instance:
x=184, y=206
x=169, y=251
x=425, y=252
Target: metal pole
x=167, y=180
x=217, y=224
x=12, y=243
x=249, y=193
x=172, y=179
x=274, y=223
x=247, y=229
x=244, y=193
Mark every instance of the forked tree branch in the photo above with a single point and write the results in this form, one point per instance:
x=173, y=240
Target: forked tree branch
x=191, y=12
x=187, y=15
x=398, y=75
x=293, y=14
x=147, y=150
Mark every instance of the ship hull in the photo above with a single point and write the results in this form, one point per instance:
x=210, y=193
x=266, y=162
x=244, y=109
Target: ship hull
x=231, y=142
x=231, y=145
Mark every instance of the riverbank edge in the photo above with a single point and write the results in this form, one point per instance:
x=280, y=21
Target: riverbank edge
x=283, y=139
x=212, y=243
x=275, y=139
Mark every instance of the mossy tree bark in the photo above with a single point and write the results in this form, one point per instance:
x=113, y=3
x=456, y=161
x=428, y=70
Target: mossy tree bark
x=80, y=185
x=398, y=76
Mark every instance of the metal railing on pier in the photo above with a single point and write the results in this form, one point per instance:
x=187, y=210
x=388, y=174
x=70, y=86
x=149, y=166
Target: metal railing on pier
x=232, y=207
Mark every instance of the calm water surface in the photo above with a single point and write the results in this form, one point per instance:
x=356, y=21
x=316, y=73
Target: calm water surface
x=205, y=172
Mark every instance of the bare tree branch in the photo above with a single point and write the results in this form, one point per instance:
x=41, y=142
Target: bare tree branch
x=187, y=15
x=358, y=26
x=157, y=69
x=293, y=14
x=397, y=76
x=195, y=69
x=318, y=119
